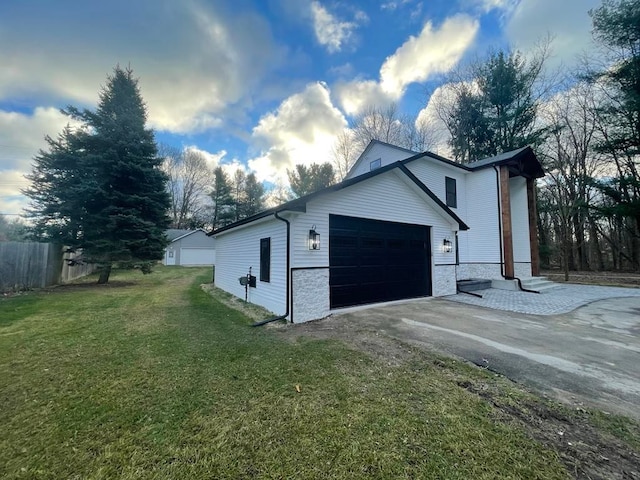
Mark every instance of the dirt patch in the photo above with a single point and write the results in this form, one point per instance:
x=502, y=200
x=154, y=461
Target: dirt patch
x=587, y=451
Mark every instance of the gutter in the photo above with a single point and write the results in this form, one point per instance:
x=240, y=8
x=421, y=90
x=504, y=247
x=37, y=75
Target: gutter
x=500, y=234
x=286, y=313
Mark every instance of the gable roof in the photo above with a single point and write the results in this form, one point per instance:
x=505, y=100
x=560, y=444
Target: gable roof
x=521, y=162
x=300, y=204
x=174, y=234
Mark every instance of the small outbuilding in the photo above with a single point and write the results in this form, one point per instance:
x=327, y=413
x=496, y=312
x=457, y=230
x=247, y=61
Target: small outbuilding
x=190, y=248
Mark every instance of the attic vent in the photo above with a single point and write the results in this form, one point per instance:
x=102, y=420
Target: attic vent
x=377, y=163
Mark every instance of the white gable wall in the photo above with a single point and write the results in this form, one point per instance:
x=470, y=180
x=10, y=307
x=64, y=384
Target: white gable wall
x=385, y=197
x=237, y=250
x=387, y=153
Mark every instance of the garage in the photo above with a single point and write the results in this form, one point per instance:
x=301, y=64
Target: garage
x=197, y=256
x=377, y=261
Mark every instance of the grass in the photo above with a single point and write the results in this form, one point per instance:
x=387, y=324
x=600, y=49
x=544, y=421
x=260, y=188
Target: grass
x=153, y=378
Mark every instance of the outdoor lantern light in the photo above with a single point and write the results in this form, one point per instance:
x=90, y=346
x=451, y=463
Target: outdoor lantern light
x=446, y=245
x=314, y=239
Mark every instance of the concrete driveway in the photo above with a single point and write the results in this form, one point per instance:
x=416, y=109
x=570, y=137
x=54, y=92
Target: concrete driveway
x=589, y=356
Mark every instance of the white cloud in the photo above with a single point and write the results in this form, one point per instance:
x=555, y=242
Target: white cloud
x=489, y=5
x=301, y=130
x=331, y=32
x=567, y=22
x=212, y=159
x=196, y=60
x=432, y=52
x=394, y=4
x=442, y=99
x=21, y=136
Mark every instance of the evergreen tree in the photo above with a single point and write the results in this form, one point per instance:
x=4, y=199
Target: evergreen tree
x=223, y=213
x=100, y=188
x=495, y=108
x=253, y=196
x=305, y=180
x=238, y=185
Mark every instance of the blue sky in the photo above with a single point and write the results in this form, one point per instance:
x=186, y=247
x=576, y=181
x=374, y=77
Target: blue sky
x=255, y=84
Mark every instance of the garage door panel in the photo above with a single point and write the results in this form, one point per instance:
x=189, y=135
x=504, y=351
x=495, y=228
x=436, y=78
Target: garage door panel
x=375, y=261
x=197, y=256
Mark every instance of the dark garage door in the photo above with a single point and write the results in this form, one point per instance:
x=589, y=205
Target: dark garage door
x=374, y=261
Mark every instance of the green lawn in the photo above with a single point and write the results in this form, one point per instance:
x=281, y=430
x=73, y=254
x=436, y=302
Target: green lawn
x=151, y=377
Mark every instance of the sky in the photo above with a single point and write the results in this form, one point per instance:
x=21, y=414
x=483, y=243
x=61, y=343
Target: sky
x=260, y=85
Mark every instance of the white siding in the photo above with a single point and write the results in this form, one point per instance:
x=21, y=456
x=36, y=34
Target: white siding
x=520, y=220
x=198, y=239
x=238, y=250
x=385, y=197
x=481, y=243
x=197, y=256
x=386, y=153
x=433, y=172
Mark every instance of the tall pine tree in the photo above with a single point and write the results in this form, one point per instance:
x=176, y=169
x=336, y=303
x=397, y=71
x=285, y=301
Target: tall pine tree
x=100, y=188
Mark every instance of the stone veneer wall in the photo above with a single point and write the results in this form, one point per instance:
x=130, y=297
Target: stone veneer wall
x=444, y=280
x=478, y=270
x=310, y=294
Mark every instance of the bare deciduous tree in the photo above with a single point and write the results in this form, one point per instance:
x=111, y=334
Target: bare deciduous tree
x=188, y=186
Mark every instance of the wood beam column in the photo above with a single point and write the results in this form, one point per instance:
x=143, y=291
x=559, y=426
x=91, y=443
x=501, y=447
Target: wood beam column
x=533, y=227
x=505, y=212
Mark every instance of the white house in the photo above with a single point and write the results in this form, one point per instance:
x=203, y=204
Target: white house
x=401, y=225
x=189, y=248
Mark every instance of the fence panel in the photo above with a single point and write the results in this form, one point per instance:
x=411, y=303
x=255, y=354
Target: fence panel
x=25, y=265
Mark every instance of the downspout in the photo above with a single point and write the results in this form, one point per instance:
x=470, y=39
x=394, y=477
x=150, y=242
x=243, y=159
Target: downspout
x=286, y=313
x=500, y=236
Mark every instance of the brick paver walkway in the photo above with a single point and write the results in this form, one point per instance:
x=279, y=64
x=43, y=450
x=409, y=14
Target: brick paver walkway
x=561, y=299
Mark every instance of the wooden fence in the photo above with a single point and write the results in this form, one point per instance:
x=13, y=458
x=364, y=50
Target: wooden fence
x=25, y=265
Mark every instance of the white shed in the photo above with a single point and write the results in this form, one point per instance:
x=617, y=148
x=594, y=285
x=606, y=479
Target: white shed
x=189, y=248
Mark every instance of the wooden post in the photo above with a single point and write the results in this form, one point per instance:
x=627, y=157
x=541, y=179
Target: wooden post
x=505, y=211
x=533, y=227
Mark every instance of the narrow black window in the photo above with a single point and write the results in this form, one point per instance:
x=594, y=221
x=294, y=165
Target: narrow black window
x=375, y=164
x=452, y=199
x=265, y=259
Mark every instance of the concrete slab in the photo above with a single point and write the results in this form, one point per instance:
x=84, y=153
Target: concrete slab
x=589, y=356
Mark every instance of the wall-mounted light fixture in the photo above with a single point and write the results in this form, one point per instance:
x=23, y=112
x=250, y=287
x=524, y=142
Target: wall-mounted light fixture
x=446, y=245
x=314, y=239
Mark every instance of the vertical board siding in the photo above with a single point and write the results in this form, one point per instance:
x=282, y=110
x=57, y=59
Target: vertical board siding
x=238, y=250
x=520, y=220
x=481, y=243
x=25, y=265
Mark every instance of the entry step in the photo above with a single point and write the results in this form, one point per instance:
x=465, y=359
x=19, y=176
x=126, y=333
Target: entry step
x=473, y=284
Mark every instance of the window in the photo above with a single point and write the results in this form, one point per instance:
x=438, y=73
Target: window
x=375, y=164
x=265, y=259
x=450, y=185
